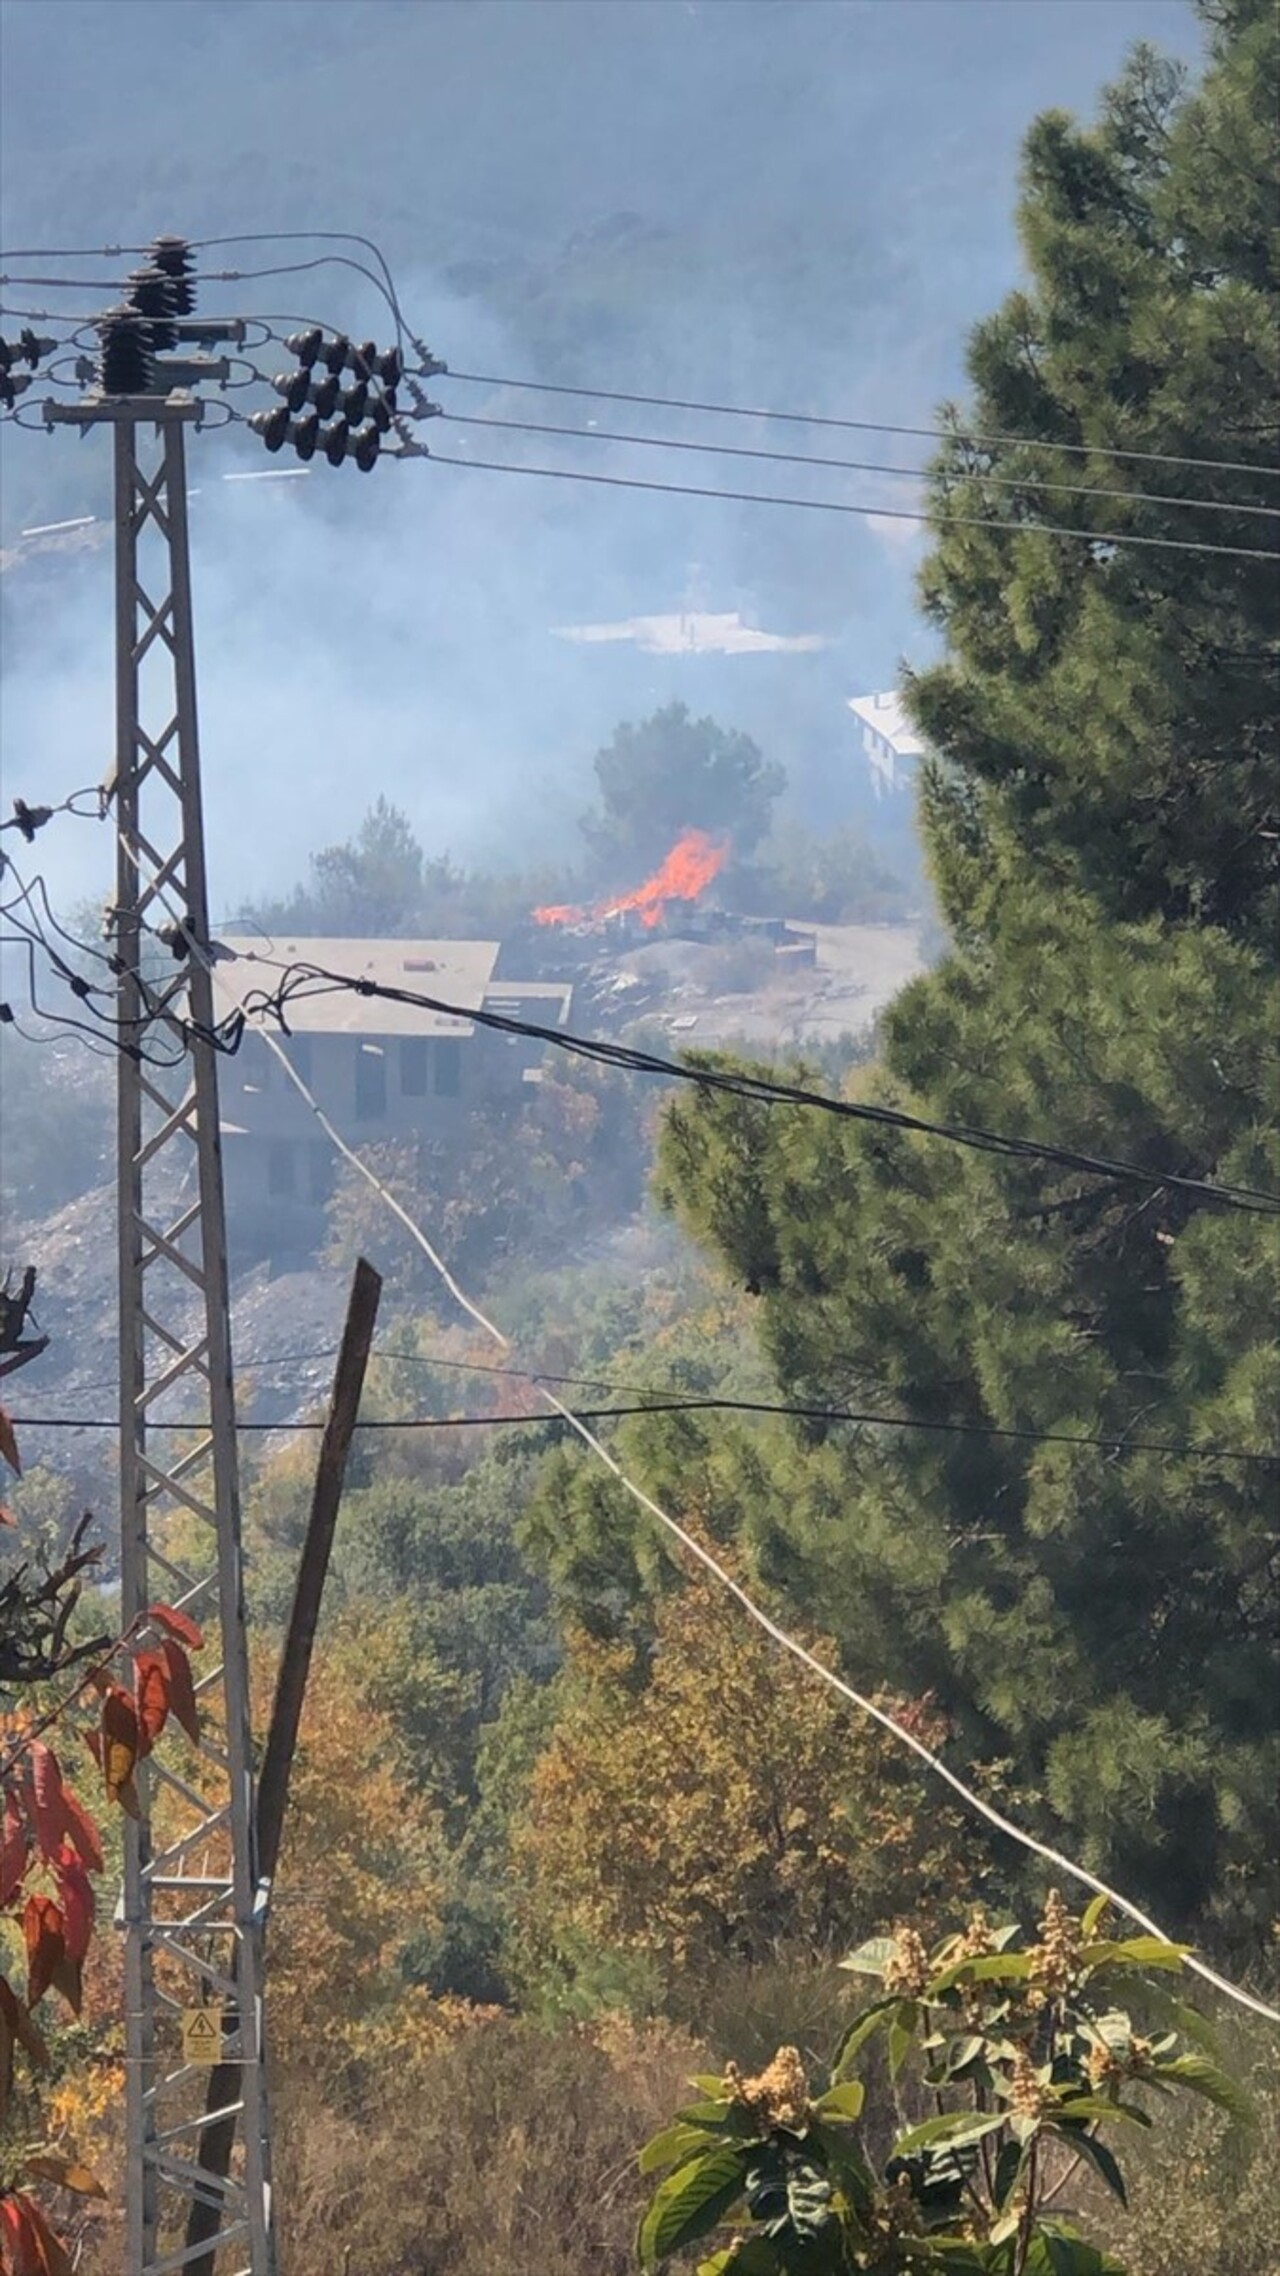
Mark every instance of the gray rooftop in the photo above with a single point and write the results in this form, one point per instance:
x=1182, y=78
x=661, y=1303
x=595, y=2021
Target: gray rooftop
x=457, y=971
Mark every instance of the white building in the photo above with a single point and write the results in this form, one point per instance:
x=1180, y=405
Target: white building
x=380, y=1070
x=891, y=745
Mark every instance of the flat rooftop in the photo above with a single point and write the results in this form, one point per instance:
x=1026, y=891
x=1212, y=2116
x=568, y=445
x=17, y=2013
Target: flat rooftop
x=886, y=715
x=458, y=971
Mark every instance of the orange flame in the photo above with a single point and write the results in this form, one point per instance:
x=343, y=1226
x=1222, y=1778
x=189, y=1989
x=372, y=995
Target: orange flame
x=694, y=860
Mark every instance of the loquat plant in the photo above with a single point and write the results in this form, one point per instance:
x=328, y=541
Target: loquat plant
x=1036, y=2055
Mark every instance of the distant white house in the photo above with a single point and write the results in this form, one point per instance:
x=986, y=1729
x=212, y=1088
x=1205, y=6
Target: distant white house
x=891, y=745
x=694, y=632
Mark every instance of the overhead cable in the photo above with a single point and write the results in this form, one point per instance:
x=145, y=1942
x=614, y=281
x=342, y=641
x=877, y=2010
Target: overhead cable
x=761, y=1088
x=1114, y=1443
x=988, y=480
x=756, y=1612
x=695, y=1548
x=957, y=433
x=1105, y=540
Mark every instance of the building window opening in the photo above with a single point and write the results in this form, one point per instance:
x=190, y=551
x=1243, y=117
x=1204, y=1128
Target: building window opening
x=413, y=1066
x=448, y=1069
x=371, y=1083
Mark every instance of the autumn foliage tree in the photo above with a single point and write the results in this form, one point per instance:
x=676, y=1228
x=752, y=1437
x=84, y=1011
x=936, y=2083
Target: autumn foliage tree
x=706, y=1800
x=360, y=1870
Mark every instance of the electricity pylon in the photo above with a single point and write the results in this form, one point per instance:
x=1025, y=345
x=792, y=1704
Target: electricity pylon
x=192, y=1908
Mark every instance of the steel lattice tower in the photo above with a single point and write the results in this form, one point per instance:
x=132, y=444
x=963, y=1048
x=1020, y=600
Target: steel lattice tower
x=192, y=1907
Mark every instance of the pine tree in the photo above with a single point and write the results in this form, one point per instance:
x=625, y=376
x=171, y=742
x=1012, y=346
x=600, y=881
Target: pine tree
x=1101, y=818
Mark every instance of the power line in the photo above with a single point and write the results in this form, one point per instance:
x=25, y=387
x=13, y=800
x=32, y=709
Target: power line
x=759, y=1088
x=297, y=979
x=755, y=1612
x=983, y=440
x=695, y=1548
x=858, y=465
x=1105, y=538
x=385, y=284
x=1115, y=1442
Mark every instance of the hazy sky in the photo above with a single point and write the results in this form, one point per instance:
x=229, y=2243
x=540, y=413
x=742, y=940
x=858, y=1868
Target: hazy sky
x=797, y=203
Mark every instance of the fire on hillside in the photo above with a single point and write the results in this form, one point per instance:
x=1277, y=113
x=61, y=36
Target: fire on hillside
x=694, y=861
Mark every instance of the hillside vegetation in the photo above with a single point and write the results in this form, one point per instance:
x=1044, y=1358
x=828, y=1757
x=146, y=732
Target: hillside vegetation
x=569, y=1829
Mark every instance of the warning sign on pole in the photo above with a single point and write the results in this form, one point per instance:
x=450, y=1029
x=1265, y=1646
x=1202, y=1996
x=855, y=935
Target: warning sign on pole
x=201, y=2035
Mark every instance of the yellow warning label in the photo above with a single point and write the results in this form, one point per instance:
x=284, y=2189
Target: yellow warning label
x=201, y=2035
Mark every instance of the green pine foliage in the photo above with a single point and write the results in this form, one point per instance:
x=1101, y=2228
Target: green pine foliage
x=1101, y=819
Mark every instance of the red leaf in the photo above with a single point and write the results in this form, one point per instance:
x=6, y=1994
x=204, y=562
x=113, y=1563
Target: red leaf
x=46, y=1798
x=22, y=2026
x=119, y=1743
x=51, y=2257
x=151, y=1696
x=21, y=2254
x=68, y=1978
x=182, y=1690
x=9, y=1444
x=180, y=1625
x=6, y=1516
x=13, y=1850
x=81, y=1831
x=42, y=1933
x=76, y=1898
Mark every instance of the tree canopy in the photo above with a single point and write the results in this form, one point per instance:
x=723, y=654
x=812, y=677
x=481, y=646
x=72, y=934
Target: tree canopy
x=672, y=773
x=1106, y=714
x=1100, y=820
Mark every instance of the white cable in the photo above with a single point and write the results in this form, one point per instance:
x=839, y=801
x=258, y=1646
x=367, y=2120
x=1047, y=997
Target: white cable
x=756, y=1612
x=712, y=1565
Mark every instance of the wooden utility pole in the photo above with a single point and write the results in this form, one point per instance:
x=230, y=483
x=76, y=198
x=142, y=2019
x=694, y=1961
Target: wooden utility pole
x=219, y=2130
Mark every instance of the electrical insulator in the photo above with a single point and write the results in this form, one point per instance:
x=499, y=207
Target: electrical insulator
x=355, y=402
x=380, y=413
x=389, y=367
x=295, y=386
x=126, y=365
x=153, y=294
x=336, y=353
x=26, y=349
x=365, y=445
x=305, y=434
x=172, y=256
x=273, y=426
x=324, y=395
x=12, y=385
x=335, y=440
x=306, y=346
x=368, y=352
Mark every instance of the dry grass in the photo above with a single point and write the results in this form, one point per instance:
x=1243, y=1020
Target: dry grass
x=1204, y=2200
x=506, y=2149
x=494, y=2146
